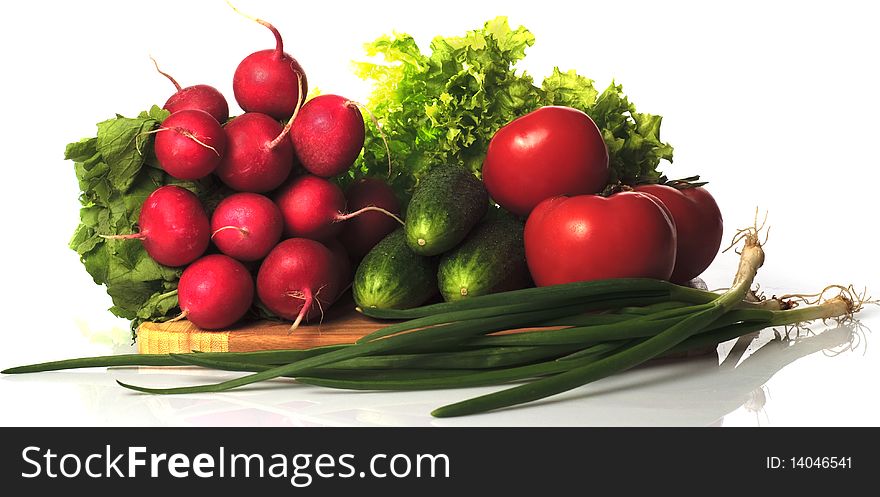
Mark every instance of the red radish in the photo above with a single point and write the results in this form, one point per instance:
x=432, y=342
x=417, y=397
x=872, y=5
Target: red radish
x=190, y=144
x=200, y=97
x=588, y=237
x=313, y=207
x=297, y=280
x=342, y=264
x=328, y=135
x=698, y=225
x=551, y=151
x=362, y=233
x=258, y=156
x=269, y=81
x=215, y=291
x=246, y=226
x=173, y=226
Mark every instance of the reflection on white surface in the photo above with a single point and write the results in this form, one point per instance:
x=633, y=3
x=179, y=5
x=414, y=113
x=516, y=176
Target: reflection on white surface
x=698, y=391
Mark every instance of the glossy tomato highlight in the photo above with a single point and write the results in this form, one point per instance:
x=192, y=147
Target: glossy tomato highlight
x=588, y=237
x=551, y=151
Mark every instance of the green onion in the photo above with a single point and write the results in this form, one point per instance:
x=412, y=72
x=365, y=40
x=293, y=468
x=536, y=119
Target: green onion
x=645, y=326
x=752, y=257
x=645, y=310
x=260, y=357
x=578, y=376
x=494, y=377
x=95, y=362
x=482, y=378
x=540, y=296
x=459, y=331
x=598, y=349
x=329, y=373
x=569, y=335
x=570, y=306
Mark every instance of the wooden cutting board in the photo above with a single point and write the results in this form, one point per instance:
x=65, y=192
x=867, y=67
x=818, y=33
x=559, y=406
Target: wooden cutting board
x=341, y=325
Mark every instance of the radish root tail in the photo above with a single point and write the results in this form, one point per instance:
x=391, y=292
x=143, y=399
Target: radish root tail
x=308, y=299
x=173, y=81
x=185, y=132
x=344, y=217
x=241, y=230
x=137, y=139
x=279, y=44
x=131, y=236
x=194, y=138
x=320, y=306
x=299, y=102
x=179, y=317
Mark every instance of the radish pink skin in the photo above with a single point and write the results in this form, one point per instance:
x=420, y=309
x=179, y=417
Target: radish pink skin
x=698, y=225
x=266, y=82
x=310, y=207
x=215, y=291
x=258, y=221
x=363, y=232
x=297, y=265
x=551, y=151
x=180, y=155
x=200, y=97
x=342, y=265
x=249, y=165
x=328, y=135
x=174, y=226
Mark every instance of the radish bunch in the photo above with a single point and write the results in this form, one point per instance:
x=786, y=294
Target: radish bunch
x=284, y=216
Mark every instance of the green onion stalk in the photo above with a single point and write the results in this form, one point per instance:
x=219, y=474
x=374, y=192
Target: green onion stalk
x=567, y=336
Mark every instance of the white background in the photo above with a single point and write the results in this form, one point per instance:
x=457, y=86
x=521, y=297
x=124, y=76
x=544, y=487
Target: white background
x=775, y=103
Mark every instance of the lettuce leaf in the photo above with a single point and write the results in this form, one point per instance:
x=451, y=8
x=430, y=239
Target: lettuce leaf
x=443, y=107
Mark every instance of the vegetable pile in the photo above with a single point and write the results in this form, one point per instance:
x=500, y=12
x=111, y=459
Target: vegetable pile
x=516, y=232
x=327, y=170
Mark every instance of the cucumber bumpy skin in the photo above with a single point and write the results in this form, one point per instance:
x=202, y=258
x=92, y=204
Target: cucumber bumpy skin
x=448, y=202
x=491, y=259
x=391, y=276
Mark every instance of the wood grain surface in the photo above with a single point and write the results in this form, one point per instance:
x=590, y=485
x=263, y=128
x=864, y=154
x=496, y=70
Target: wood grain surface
x=342, y=324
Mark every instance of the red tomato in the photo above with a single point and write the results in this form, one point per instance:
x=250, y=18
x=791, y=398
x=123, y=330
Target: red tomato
x=588, y=237
x=551, y=151
x=698, y=225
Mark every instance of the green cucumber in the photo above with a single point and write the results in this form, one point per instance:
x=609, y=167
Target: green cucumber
x=447, y=203
x=491, y=259
x=391, y=276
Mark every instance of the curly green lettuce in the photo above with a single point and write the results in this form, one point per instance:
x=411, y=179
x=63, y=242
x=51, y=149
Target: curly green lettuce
x=445, y=106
